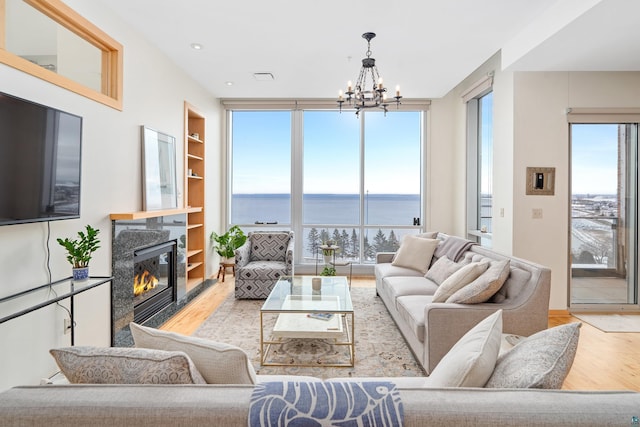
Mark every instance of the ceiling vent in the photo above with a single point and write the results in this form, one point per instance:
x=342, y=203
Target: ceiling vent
x=263, y=77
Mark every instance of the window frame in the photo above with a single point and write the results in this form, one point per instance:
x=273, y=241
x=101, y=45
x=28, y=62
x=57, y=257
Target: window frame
x=297, y=108
x=112, y=53
x=474, y=167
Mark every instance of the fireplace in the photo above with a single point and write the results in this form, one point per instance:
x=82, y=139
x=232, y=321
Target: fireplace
x=155, y=244
x=154, y=280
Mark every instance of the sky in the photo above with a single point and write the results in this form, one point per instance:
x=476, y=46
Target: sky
x=594, y=153
x=261, y=147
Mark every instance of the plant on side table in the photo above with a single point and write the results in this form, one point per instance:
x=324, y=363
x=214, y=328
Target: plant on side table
x=80, y=250
x=328, y=271
x=226, y=244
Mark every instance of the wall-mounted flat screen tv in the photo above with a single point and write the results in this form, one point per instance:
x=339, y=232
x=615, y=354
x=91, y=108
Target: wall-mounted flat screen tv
x=40, y=153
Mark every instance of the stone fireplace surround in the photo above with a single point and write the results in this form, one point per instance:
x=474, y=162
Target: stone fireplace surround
x=129, y=233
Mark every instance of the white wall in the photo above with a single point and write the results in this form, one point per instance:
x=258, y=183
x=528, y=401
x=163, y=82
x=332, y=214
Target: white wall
x=530, y=129
x=154, y=93
x=542, y=139
x=447, y=162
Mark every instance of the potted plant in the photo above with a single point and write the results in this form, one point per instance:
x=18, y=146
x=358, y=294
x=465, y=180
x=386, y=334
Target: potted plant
x=226, y=244
x=328, y=271
x=80, y=250
x=328, y=251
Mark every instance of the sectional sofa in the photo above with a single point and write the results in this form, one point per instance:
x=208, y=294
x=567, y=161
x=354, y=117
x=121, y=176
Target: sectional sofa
x=480, y=381
x=228, y=405
x=432, y=328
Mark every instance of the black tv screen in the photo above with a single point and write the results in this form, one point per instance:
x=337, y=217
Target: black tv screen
x=40, y=152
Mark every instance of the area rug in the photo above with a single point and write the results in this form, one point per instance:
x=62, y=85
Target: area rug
x=380, y=349
x=612, y=322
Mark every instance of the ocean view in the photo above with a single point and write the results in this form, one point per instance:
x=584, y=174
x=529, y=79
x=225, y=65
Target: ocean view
x=338, y=209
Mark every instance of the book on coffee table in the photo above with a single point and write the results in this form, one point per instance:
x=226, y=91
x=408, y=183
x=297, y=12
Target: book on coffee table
x=320, y=316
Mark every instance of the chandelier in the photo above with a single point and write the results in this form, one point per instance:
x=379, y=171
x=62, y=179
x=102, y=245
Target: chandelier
x=369, y=91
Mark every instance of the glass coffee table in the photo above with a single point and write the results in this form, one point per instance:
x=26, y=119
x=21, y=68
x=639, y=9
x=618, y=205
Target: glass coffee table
x=308, y=307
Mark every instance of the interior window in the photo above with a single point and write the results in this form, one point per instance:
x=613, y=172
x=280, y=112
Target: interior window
x=49, y=40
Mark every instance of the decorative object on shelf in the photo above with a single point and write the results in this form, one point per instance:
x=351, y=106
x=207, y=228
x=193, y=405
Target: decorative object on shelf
x=79, y=251
x=226, y=244
x=369, y=91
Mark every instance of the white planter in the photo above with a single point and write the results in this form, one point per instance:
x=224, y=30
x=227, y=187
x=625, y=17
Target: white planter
x=224, y=260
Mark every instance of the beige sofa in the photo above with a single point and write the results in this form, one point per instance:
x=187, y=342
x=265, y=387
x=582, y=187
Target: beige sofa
x=228, y=405
x=431, y=329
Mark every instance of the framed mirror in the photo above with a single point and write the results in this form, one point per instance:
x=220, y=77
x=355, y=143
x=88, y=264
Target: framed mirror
x=159, y=180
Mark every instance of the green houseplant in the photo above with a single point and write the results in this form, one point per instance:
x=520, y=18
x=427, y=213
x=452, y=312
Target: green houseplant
x=226, y=244
x=80, y=251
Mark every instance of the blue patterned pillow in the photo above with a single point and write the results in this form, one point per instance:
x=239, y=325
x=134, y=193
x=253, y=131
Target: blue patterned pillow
x=301, y=403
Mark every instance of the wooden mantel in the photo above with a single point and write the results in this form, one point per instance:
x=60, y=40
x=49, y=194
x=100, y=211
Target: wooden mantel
x=152, y=214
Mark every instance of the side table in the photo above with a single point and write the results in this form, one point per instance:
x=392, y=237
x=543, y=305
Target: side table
x=223, y=269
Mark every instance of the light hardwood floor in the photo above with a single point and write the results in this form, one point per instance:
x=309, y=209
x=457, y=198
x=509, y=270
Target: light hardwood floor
x=604, y=361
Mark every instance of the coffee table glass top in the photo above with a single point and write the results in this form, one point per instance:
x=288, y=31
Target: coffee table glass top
x=299, y=294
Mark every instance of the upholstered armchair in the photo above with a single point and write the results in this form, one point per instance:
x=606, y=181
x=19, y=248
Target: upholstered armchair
x=265, y=257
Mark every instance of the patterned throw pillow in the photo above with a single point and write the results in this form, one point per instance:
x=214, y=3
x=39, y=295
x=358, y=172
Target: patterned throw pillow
x=119, y=365
x=542, y=360
x=485, y=286
x=218, y=363
x=269, y=246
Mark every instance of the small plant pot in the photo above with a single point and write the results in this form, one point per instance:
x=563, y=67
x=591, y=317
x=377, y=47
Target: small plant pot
x=80, y=274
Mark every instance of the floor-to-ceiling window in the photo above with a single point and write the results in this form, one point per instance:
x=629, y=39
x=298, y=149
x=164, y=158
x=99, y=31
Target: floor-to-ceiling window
x=356, y=180
x=480, y=168
x=261, y=168
x=392, y=180
x=603, y=240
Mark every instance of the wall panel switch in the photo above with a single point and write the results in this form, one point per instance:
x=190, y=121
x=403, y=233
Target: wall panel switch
x=536, y=213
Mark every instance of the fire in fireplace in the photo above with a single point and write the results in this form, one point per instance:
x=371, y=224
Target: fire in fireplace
x=154, y=283
x=144, y=283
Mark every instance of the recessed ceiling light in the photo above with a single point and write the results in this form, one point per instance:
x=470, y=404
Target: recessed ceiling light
x=229, y=83
x=263, y=77
x=196, y=46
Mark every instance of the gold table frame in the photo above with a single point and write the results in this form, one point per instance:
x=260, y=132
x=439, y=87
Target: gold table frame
x=299, y=291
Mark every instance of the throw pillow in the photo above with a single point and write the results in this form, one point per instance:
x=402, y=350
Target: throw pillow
x=542, y=360
x=471, y=360
x=121, y=365
x=415, y=253
x=426, y=235
x=485, y=286
x=217, y=362
x=458, y=280
x=442, y=269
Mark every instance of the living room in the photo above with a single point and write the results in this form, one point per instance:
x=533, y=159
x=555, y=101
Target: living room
x=531, y=130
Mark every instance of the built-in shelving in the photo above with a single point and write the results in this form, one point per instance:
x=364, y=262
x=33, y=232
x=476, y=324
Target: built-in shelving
x=194, y=141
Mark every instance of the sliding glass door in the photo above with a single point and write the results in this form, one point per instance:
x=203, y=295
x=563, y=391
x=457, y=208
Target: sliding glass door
x=604, y=214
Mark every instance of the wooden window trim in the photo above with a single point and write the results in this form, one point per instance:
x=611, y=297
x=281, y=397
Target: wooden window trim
x=112, y=53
